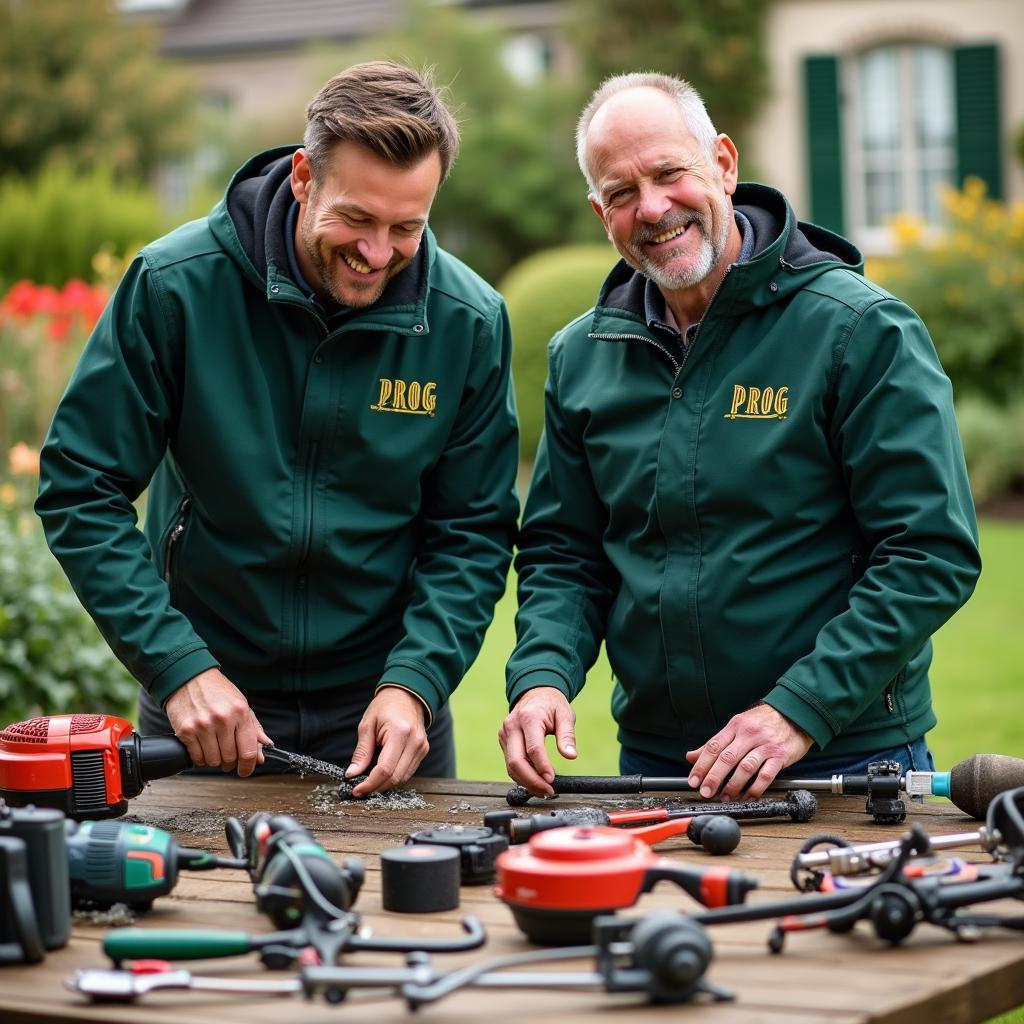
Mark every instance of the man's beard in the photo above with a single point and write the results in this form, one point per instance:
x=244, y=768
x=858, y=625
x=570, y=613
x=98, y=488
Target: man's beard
x=701, y=263
x=349, y=293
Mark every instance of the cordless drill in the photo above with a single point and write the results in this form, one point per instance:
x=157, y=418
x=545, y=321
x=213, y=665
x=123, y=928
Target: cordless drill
x=122, y=862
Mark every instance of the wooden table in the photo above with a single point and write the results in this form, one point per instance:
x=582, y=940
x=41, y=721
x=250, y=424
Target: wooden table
x=840, y=979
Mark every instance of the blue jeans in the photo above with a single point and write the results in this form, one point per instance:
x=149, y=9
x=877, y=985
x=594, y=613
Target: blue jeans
x=914, y=756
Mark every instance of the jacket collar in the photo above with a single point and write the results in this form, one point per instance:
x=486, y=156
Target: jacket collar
x=249, y=222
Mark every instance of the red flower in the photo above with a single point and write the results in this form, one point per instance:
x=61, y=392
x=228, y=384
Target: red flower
x=20, y=301
x=77, y=303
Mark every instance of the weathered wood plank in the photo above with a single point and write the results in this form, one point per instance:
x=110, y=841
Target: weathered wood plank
x=843, y=979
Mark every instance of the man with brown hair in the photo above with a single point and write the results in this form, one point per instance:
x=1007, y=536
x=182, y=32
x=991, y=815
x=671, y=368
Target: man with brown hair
x=318, y=398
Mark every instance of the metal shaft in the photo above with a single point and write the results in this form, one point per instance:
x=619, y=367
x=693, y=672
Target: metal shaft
x=851, y=860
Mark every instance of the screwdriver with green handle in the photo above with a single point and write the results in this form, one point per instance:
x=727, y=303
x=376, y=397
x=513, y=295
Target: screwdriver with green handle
x=120, y=862
x=187, y=943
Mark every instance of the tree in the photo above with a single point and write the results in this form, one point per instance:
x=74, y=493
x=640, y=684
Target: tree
x=78, y=84
x=717, y=45
x=515, y=188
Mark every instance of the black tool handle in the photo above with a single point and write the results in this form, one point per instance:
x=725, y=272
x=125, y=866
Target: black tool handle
x=146, y=758
x=714, y=887
x=570, y=785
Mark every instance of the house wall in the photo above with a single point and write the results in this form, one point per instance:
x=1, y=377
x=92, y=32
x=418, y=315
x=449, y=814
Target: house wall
x=257, y=83
x=798, y=28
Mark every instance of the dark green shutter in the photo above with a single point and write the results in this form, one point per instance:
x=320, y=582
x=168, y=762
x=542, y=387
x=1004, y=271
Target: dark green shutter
x=978, y=116
x=824, y=141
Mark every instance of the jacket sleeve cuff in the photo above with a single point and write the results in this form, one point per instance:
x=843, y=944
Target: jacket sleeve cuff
x=418, y=683
x=173, y=676
x=804, y=711
x=532, y=678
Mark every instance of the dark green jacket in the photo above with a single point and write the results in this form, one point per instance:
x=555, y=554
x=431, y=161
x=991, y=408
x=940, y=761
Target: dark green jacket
x=783, y=515
x=331, y=500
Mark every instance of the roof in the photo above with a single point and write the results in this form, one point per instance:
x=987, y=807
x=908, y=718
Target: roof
x=210, y=26
x=200, y=27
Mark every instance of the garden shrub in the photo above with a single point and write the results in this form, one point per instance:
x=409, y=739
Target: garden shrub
x=993, y=439
x=544, y=293
x=968, y=287
x=53, y=659
x=52, y=226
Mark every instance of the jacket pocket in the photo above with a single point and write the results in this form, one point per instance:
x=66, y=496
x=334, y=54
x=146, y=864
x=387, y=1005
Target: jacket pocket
x=173, y=541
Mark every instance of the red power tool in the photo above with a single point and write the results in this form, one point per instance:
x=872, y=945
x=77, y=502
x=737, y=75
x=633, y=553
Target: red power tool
x=558, y=882
x=85, y=765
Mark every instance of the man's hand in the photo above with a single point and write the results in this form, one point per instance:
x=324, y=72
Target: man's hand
x=756, y=744
x=540, y=712
x=213, y=719
x=393, y=721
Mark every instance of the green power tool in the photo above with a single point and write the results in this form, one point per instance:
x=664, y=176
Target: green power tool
x=121, y=862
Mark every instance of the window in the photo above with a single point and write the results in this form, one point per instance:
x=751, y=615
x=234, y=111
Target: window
x=903, y=145
x=884, y=127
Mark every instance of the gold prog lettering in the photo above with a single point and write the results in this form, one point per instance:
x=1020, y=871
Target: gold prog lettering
x=397, y=395
x=758, y=403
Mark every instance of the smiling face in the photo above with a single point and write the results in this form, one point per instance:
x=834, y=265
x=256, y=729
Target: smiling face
x=663, y=199
x=363, y=223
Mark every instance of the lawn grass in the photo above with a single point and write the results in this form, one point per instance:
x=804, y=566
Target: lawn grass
x=976, y=678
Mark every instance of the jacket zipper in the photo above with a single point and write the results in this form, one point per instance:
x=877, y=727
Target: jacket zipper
x=677, y=366
x=639, y=337
x=301, y=598
x=175, y=535
x=307, y=526
x=700, y=322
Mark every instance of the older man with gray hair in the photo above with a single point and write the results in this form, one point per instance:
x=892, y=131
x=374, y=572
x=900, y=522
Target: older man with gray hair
x=751, y=485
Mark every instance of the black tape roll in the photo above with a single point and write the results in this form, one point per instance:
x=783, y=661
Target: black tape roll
x=420, y=879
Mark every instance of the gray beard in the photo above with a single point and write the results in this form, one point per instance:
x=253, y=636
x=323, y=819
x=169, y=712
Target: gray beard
x=706, y=260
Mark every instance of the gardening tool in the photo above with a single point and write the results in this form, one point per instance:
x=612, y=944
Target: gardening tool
x=971, y=785
x=88, y=766
x=716, y=833
x=561, y=879
x=843, y=858
x=303, y=892
x=663, y=955
x=902, y=896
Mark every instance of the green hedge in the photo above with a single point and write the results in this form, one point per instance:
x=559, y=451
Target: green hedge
x=544, y=293
x=52, y=658
x=52, y=226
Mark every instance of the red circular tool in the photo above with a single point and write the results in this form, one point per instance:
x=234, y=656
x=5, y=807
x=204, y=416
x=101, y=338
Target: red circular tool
x=557, y=882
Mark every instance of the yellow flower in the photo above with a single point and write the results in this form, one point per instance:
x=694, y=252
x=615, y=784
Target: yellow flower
x=974, y=188
x=8, y=494
x=907, y=229
x=23, y=460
